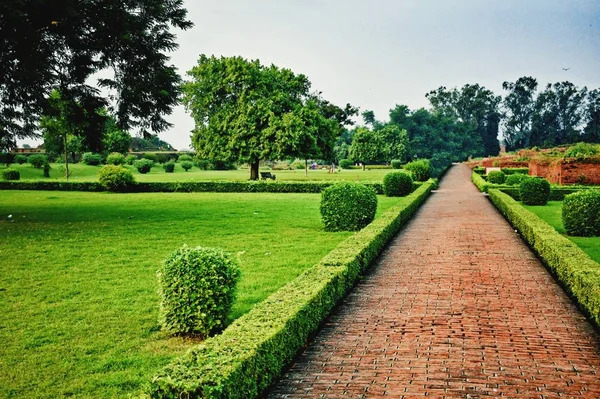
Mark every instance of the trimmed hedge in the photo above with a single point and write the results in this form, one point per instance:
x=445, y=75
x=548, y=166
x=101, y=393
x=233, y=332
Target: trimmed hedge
x=515, y=171
x=581, y=213
x=496, y=177
x=347, y=206
x=10, y=174
x=397, y=184
x=515, y=179
x=247, y=357
x=534, y=191
x=575, y=270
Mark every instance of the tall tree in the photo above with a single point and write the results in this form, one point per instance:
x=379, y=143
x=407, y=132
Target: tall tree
x=394, y=142
x=246, y=112
x=591, y=132
x=49, y=44
x=519, y=106
x=366, y=146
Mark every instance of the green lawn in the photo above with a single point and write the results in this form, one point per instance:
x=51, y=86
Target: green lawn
x=81, y=172
x=551, y=213
x=78, y=284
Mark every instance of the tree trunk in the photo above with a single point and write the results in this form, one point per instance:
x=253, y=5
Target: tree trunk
x=364, y=165
x=254, y=170
x=66, y=157
x=306, y=167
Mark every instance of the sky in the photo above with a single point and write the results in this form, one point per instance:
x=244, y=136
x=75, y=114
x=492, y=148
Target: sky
x=379, y=53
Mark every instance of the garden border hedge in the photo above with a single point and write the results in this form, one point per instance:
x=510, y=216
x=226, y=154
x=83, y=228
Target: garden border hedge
x=578, y=274
x=247, y=357
x=189, y=187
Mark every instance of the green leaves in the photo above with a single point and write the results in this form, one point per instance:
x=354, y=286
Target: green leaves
x=581, y=213
x=347, y=206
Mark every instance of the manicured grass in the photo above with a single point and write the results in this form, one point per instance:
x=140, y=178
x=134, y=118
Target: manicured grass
x=82, y=172
x=78, y=283
x=551, y=213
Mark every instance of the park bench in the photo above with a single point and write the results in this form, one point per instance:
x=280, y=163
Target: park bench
x=267, y=175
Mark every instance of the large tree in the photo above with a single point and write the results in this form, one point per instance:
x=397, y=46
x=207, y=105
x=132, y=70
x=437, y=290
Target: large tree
x=246, y=112
x=51, y=44
x=591, y=131
x=519, y=107
x=366, y=147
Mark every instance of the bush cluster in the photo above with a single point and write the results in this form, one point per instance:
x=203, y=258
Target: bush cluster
x=10, y=174
x=150, y=156
x=420, y=169
x=143, y=165
x=581, y=213
x=515, y=179
x=346, y=163
x=397, y=184
x=130, y=159
x=197, y=288
x=185, y=158
x=6, y=158
x=169, y=167
x=115, y=158
x=115, y=178
x=480, y=170
x=37, y=160
x=20, y=159
x=396, y=164
x=515, y=171
x=347, y=206
x=496, y=177
x=582, y=151
x=90, y=158
x=534, y=191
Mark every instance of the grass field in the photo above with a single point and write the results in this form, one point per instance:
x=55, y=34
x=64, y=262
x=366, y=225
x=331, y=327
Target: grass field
x=78, y=283
x=82, y=172
x=551, y=213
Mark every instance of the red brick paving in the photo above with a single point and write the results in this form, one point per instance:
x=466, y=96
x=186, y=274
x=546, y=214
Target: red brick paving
x=457, y=307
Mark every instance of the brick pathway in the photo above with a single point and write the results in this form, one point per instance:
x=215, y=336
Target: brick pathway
x=457, y=306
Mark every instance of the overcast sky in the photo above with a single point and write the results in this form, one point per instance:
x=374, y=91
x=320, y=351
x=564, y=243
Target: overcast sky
x=378, y=53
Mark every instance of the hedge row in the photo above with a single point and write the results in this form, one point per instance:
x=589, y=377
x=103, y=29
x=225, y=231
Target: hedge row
x=575, y=270
x=188, y=187
x=246, y=358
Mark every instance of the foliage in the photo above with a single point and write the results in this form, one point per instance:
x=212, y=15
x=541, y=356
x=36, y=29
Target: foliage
x=115, y=178
x=519, y=105
x=185, y=158
x=581, y=213
x=143, y=165
x=20, y=159
x=10, y=174
x=581, y=151
x=130, y=159
x=245, y=112
x=496, y=177
x=394, y=142
x=396, y=163
x=115, y=158
x=151, y=156
x=347, y=206
x=48, y=45
x=187, y=165
x=90, y=158
x=116, y=140
x=6, y=158
x=169, y=167
x=534, y=191
x=397, y=184
x=367, y=146
x=197, y=287
x=576, y=272
x=227, y=365
x=420, y=169
x=515, y=179
x=346, y=163
x=37, y=160
x=150, y=142
x=512, y=171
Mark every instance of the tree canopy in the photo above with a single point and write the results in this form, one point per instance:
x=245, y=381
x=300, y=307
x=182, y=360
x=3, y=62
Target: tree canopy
x=246, y=112
x=47, y=45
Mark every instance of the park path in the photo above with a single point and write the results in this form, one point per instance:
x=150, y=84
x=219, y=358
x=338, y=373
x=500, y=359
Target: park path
x=457, y=306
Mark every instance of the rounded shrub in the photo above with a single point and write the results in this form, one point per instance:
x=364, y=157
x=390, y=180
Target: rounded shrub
x=203, y=164
x=187, y=165
x=496, y=177
x=130, y=159
x=347, y=206
x=185, y=158
x=90, y=158
x=115, y=158
x=397, y=184
x=115, y=178
x=10, y=174
x=151, y=156
x=346, y=163
x=20, y=159
x=169, y=167
x=197, y=287
x=420, y=169
x=534, y=191
x=581, y=213
x=516, y=179
x=143, y=165
x=37, y=160
x=396, y=164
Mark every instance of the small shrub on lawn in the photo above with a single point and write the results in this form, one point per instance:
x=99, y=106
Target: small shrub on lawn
x=515, y=179
x=169, y=167
x=143, y=165
x=37, y=160
x=534, y=191
x=90, y=158
x=581, y=213
x=20, y=159
x=186, y=165
x=298, y=165
x=496, y=177
x=10, y=174
x=396, y=164
x=347, y=206
x=203, y=164
x=115, y=178
x=115, y=158
x=197, y=288
x=420, y=169
x=150, y=156
x=185, y=158
x=130, y=159
x=346, y=163
x=397, y=184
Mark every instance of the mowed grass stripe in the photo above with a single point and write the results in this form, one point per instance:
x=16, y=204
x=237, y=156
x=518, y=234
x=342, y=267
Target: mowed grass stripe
x=78, y=283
